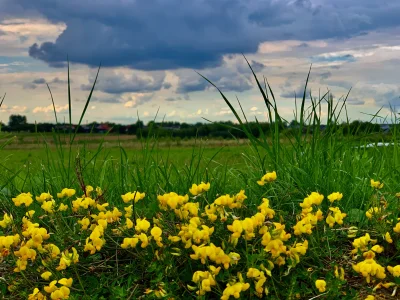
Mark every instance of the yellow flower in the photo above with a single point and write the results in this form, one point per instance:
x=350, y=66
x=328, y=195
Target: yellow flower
x=44, y=197
x=376, y=184
x=377, y=249
x=62, y=293
x=36, y=295
x=198, y=189
x=320, y=285
x=397, y=228
x=236, y=228
x=66, y=193
x=144, y=239
x=269, y=177
x=388, y=238
x=66, y=282
x=85, y=222
x=7, y=220
x=234, y=290
x=316, y=198
x=51, y=287
x=62, y=207
x=23, y=198
x=335, y=197
x=142, y=225
x=369, y=267
x=339, y=273
x=52, y=250
x=395, y=271
x=372, y=211
x=30, y=213
x=135, y=196
x=330, y=220
x=46, y=275
x=48, y=206
x=129, y=242
x=370, y=297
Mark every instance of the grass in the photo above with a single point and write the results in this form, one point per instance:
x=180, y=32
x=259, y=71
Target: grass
x=313, y=161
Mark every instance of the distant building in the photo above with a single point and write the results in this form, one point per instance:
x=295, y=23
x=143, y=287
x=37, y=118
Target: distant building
x=103, y=128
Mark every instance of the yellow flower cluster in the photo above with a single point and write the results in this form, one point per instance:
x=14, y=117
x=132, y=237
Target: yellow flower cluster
x=234, y=289
x=179, y=204
x=308, y=219
x=187, y=228
x=205, y=280
x=376, y=184
x=269, y=177
x=220, y=205
x=7, y=220
x=214, y=254
x=56, y=292
x=49, y=204
x=193, y=232
x=259, y=279
x=133, y=196
x=373, y=212
x=24, y=198
x=66, y=193
x=142, y=226
x=369, y=267
x=171, y=200
x=199, y=189
x=335, y=217
x=67, y=258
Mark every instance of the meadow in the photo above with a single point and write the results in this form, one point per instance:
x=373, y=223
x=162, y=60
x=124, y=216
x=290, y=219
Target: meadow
x=310, y=213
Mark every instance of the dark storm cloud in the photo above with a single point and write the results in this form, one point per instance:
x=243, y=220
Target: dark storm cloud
x=160, y=35
x=39, y=81
x=224, y=80
x=295, y=93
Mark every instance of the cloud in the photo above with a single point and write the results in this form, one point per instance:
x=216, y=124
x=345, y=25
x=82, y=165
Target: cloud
x=136, y=100
x=167, y=85
x=223, y=112
x=227, y=78
x=39, y=81
x=243, y=67
x=118, y=82
x=16, y=109
x=156, y=35
x=297, y=92
x=49, y=108
x=355, y=101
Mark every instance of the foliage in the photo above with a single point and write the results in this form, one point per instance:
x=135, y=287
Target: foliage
x=317, y=227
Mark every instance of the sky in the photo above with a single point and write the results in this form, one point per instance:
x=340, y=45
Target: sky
x=152, y=52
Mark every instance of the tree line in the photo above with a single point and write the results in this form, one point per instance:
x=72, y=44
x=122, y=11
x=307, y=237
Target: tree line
x=223, y=129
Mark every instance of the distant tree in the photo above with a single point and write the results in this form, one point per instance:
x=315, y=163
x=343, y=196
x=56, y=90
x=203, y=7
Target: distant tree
x=17, y=120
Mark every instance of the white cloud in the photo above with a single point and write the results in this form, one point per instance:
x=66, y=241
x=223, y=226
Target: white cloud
x=253, y=108
x=49, y=108
x=16, y=109
x=223, y=113
x=19, y=34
